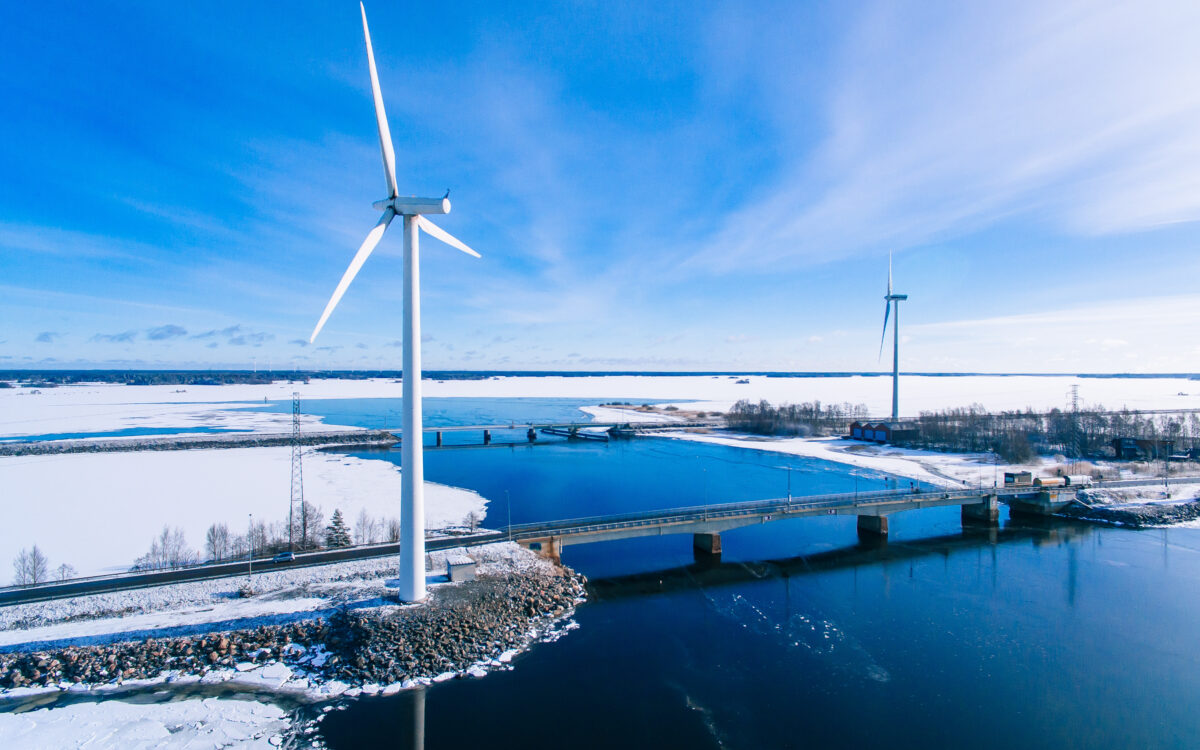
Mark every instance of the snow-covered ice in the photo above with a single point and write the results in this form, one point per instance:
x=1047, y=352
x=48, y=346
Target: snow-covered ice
x=194, y=723
x=100, y=511
x=106, y=407
x=933, y=467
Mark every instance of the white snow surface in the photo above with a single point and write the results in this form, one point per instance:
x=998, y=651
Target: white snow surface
x=191, y=724
x=227, y=723
x=100, y=511
x=196, y=606
x=943, y=469
x=106, y=407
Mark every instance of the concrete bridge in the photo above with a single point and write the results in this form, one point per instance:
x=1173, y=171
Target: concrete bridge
x=706, y=522
x=980, y=510
x=708, y=572
x=601, y=431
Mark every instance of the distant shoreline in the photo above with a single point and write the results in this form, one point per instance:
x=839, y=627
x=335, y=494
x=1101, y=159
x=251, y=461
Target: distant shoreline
x=51, y=378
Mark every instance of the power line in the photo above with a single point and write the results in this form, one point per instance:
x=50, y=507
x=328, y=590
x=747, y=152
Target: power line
x=297, y=479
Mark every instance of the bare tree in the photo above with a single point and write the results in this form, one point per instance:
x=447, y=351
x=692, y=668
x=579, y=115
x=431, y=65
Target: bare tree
x=216, y=542
x=367, y=529
x=21, y=568
x=393, y=530
x=258, y=538
x=237, y=546
x=30, y=566
x=277, y=535
x=312, y=526
x=64, y=571
x=473, y=520
x=168, y=550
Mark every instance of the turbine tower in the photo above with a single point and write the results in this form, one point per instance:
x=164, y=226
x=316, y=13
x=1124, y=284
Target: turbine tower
x=412, y=500
x=892, y=300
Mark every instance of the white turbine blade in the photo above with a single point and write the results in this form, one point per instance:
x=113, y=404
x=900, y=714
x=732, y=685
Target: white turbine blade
x=889, y=273
x=385, y=135
x=887, y=309
x=443, y=235
x=373, y=238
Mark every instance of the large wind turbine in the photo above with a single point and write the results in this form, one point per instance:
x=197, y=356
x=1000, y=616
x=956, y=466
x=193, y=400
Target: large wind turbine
x=412, y=482
x=893, y=300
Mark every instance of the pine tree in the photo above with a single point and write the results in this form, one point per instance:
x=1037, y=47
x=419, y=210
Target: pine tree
x=337, y=534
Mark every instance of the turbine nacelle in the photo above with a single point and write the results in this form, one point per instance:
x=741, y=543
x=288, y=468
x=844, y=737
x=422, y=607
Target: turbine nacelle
x=393, y=206
x=409, y=206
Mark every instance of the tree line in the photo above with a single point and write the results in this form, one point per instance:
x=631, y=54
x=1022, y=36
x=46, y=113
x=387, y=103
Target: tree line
x=1018, y=435
x=809, y=418
x=32, y=566
x=170, y=549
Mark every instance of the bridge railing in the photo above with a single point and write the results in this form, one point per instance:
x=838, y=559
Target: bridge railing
x=725, y=510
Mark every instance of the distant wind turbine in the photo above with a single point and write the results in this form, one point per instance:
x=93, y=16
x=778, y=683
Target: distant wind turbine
x=893, y=300
x=412, y=497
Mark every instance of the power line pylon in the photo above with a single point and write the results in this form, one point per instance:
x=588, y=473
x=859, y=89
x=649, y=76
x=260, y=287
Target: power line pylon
x=1076, y=437
x=297, y=480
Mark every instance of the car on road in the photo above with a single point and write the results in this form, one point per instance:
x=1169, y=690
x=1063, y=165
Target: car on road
x=283, y=557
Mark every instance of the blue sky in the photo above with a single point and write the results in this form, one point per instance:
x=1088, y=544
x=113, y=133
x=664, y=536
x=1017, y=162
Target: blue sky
x=667, y=186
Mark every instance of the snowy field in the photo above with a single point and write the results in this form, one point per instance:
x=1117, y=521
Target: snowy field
x=281, y=596
x=100, y=511
x=103, y=407
x=183, y=608
x=177, y=725
x=931, y=467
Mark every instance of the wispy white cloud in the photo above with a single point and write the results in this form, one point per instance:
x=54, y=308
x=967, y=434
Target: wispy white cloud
x=1143, y=334
x=948, y=117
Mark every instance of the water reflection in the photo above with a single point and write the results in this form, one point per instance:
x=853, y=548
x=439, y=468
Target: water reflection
x=711, y=572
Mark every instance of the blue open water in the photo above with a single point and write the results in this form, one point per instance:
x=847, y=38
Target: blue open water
x=1039, y=634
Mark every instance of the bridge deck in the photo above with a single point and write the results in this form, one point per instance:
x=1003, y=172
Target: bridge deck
x=682, y=520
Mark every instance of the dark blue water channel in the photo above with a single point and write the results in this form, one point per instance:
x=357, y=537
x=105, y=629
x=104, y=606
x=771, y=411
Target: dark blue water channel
x=1036, y=634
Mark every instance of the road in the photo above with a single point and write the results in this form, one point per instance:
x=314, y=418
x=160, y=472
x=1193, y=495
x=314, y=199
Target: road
x=712, y=517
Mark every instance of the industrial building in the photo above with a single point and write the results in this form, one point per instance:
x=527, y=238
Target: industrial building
x=1141, y=449
x=885, y=432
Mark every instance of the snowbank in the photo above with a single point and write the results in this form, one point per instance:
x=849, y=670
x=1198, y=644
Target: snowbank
x=209, y=722
x=195, y=606
x=943, y=469
x=100, y=511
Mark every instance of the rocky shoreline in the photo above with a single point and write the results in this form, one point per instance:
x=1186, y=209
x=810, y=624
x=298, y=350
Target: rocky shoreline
x=1136, y=516
x=459, y=627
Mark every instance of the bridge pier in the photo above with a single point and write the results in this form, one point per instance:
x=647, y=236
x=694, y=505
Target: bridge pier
x=439, y=438
x=706, y=544
x=487, y=437
x=550, y=548
x=984, y=513
x=873, y=526
x=1042, y=504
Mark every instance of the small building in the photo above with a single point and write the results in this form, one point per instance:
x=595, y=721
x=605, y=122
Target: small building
x=1018, y=478
x=885, y=432
x=460, y=568
x=1138, y=449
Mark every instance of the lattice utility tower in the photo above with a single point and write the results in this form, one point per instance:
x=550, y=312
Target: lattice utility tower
x=1075, y=434
x=297, y=479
